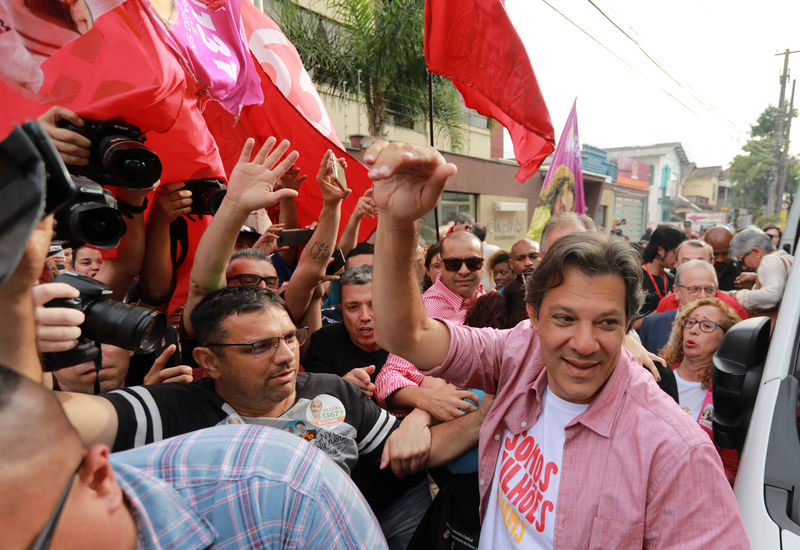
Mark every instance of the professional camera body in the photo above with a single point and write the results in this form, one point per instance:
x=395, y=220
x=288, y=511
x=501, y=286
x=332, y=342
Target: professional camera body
x=91, y=216
x=207, y=195
x=117, y=157
x=109, y=322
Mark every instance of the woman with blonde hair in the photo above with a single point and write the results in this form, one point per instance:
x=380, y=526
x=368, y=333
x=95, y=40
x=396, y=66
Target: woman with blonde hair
x=696, y=335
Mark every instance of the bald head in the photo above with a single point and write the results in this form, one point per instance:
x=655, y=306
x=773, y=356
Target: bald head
x=720, y=237
x=524, y=256
x=461, y=237
x=559, y=225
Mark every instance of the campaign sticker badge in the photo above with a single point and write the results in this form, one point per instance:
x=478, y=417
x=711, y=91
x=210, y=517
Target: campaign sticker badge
x=301, y=428
x=325, y=411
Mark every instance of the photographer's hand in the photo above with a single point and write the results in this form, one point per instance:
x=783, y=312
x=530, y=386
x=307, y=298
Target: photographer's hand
x=73, y=147
x=57, y=328
x=158, y=374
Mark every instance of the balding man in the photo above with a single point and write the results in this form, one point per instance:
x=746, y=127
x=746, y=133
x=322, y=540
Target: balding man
x=524, y=257
x=728, y=269
x=191, y=491
x=564, y=223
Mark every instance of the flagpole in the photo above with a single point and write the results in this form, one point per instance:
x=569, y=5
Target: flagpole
x=430, y=139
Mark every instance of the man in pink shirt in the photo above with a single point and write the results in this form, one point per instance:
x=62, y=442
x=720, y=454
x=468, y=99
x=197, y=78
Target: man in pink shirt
x=581, y=448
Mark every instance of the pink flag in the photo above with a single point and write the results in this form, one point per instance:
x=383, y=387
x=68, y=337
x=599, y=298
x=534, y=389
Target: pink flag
x=210, y=41
x=562, y=190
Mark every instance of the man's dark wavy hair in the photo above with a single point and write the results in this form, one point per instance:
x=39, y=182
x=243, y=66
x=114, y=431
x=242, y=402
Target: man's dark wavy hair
x=211, y=312
x=592, y=254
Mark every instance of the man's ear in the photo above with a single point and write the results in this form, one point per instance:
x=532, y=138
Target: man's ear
x=533, y=316
x=208, y=360
x=97, y=475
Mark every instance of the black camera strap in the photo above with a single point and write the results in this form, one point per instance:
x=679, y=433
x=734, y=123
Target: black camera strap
x=98, y=366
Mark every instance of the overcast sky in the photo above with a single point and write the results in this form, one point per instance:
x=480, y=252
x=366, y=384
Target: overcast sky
x=721, y=52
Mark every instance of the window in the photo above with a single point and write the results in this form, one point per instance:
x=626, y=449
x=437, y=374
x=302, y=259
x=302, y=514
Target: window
x=451, y=203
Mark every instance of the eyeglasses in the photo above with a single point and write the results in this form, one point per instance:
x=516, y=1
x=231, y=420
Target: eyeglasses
x=454, y=264
x=695, y=290
x=706, y=325
x=268, y=346
x=250, y=279
x=45, y=537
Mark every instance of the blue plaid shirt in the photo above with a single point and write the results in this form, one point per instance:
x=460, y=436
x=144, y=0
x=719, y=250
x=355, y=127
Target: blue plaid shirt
x=242, y=487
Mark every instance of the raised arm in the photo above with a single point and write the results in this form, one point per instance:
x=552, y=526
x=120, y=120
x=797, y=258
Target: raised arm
x=250, y=188
x=364, y=207
x=310, y=269
x=407, y=183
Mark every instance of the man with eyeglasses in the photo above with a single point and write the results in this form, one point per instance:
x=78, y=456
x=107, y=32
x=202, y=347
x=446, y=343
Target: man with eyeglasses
x=237, y=486
x=695, y=249
x=695, y=279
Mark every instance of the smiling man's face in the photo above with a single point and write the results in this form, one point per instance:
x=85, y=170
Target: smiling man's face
x=581, y=324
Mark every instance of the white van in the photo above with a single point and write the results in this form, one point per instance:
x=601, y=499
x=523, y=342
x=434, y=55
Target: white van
x=756, y=386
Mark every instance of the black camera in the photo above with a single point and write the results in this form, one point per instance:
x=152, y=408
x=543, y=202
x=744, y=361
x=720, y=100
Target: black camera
x=109, y=322
x=207, y=195
x=91, y=216
x=117, y=156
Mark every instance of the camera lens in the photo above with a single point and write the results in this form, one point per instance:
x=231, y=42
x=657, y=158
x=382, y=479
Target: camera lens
x=130, y=327
x=97, y=224
x=130, y=163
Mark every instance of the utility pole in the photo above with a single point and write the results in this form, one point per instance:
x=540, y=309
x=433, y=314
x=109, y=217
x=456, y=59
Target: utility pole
x=785, y=154
x=773, y=171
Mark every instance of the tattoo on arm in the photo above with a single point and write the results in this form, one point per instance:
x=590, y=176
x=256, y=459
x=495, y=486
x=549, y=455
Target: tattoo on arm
x=320, y=251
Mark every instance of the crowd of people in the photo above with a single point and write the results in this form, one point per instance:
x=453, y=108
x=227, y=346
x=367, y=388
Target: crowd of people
x=444, y=395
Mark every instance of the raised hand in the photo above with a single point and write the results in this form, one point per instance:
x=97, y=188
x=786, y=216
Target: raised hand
x=291, y=179
x=331, y=191
x=268, y=241
x=252, y=182
x=74, y=148
x=407, y=179
x=158, y=374
x=365, y=206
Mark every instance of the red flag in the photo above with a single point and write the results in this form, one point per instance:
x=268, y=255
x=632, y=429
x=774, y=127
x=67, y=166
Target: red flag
x=474, y=44
x=291, y=110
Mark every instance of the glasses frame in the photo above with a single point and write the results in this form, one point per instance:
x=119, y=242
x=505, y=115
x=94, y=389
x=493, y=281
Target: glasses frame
x=266, y=280
x=698, y=289
x=689, y=322
x=299, y=334
x=474, y=260
x=45, y=536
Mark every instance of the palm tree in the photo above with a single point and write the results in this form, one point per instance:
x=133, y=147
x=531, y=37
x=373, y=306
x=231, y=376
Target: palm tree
x=378, y=43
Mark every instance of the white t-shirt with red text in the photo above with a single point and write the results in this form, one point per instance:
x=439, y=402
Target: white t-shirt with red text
x=524, y=495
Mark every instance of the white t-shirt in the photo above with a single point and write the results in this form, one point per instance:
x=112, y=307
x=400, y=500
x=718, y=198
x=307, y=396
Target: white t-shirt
x=691, y=396
x=524, y=494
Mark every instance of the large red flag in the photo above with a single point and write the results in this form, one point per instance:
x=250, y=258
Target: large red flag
x=474, y=44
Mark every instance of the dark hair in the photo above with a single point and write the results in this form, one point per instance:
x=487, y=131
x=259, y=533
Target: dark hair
x=497, y=310
x=358, y=275
x=361, y=248
x=664, y=236
x=593, y=254
x=211, y=312
x=251, y=253
x=479, y=230
x=773, y=226
x=433, y=250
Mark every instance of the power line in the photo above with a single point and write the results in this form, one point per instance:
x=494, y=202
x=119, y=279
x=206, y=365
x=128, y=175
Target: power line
x=634, y=69
x=658, y=64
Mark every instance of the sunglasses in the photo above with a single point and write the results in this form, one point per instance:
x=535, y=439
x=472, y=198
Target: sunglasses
x=249, y=279
x=454, y=264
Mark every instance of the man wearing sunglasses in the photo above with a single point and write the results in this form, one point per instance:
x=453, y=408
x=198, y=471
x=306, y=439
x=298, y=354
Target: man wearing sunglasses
x=400, y=386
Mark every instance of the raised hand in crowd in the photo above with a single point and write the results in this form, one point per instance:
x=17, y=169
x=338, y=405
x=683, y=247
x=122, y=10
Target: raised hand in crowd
x=73, y=147
x=268, y=241
x=291, y=179
x=360, y=376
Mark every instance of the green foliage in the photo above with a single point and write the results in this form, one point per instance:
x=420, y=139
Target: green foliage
x=378, y=43
x=749, y=170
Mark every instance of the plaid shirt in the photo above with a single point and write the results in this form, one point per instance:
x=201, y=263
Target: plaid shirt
x=440, y=303
x=242, y=487
x=637, y=471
